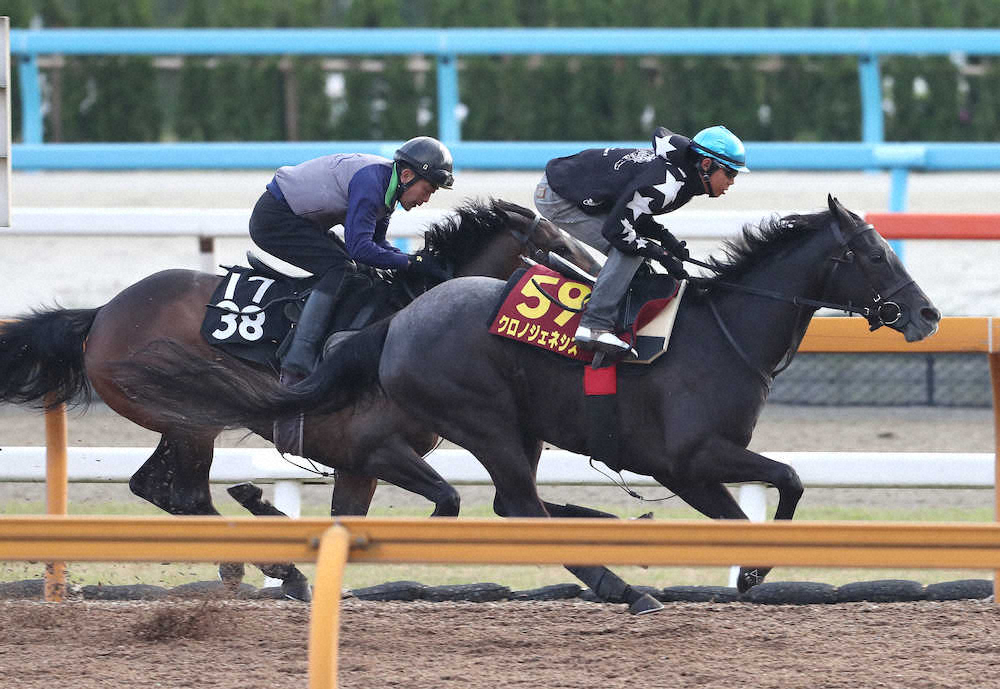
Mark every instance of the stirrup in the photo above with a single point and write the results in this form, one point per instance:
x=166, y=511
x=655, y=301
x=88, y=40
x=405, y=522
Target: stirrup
x=603, y=341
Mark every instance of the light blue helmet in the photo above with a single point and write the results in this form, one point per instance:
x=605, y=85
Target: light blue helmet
x=721, y=145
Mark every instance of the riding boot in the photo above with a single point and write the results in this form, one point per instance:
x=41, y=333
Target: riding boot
x=299, y=362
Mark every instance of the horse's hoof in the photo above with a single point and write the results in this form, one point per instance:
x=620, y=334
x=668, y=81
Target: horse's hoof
x=231, y=573
x=645, y=604
x=748, y=578
x=296, y=588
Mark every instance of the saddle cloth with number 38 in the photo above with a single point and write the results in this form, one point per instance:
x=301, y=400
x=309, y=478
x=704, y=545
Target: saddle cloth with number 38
x=246, y=316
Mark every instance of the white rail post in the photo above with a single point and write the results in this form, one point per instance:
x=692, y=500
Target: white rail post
x=288, y=499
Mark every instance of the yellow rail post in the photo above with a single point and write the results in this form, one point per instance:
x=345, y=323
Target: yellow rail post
x=324, y=621
x=56, y=500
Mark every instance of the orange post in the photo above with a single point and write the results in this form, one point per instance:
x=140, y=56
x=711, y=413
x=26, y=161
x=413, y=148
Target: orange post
x=995, y=379
x=56, y=481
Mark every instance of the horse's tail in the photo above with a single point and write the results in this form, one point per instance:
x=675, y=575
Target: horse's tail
x=186, y=389
x=346, y=375
x=41, y=358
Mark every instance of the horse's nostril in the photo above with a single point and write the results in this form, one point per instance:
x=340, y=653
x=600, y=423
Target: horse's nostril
x=929, y=313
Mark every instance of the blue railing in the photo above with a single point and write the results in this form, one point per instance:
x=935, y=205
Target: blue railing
x=445, y=45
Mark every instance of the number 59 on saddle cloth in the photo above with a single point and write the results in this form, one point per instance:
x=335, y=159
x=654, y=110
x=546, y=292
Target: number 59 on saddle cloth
x=542, y=308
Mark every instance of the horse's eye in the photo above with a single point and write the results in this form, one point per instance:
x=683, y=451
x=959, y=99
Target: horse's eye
x=877, y=257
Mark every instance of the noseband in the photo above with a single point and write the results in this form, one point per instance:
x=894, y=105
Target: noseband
x=879, y=310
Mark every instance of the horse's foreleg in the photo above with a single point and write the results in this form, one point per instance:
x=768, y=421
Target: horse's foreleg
x=352, y=494
x=576, y=511
x=720, y=461
x=715, y=501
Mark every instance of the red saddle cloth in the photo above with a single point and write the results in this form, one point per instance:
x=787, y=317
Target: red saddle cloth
x=542, y=308
x=533, y=312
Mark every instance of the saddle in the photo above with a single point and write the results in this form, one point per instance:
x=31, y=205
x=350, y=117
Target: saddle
x=251, y=312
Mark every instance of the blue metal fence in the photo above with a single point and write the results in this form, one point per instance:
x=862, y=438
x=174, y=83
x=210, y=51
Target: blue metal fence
x=446, y=45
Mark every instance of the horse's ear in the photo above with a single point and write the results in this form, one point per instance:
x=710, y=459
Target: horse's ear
x=843, y=216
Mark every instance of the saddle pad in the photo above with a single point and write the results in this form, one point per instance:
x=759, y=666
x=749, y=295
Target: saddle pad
x=531, y=311
x=653, y=326
x=246, y=315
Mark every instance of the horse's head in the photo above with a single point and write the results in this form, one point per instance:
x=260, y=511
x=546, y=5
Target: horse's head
x=868, y=274
x=536, y=237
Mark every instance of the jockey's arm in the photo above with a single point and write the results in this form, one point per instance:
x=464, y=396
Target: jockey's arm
x=363, y=224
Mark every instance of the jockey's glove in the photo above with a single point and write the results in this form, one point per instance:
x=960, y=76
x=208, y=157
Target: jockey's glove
x=673, y=265
x=428, y=267
x=673, y=245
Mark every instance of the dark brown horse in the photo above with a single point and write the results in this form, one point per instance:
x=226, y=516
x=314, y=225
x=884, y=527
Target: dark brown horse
x=52, y=355
x=685, y=420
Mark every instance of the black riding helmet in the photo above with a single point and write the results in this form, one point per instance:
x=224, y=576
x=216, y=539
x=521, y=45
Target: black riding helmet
x=429, y=158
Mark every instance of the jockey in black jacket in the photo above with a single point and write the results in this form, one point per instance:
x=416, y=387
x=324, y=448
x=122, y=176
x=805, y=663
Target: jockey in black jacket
x=610, y=198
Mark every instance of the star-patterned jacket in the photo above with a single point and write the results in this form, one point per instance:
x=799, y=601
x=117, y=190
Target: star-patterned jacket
x=631, y=186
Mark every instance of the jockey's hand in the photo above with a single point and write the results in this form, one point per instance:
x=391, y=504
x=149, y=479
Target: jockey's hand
x=671, y=244
x=674, y=266
x=428, y=267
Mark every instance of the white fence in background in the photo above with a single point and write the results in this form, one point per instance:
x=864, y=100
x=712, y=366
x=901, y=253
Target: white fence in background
x=557, y=467
x=207, y=224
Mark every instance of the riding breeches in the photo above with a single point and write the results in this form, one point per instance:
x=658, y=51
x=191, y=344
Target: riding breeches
x=303, y=243
x=612, y=284
x=567, y=216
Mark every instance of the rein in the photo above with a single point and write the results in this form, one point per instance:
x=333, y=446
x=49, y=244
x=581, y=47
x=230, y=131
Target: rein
x=878, y=313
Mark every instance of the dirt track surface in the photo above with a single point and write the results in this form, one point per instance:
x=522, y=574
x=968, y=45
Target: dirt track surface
x=414, y=645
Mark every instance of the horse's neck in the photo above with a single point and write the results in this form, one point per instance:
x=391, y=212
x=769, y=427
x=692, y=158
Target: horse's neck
x=493, y=261
x=771, y=329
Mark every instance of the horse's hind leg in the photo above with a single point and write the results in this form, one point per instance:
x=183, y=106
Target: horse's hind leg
x=294, y=584
x=152, y=480
x=161, y=479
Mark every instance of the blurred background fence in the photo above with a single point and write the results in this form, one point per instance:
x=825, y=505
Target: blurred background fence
x=799, y=90
x=812, y=84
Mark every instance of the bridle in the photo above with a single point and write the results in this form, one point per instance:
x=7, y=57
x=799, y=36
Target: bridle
x=878, y=311
x=527, y=239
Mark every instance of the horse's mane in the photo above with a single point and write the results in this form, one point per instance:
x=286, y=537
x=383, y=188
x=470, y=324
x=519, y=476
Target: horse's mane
x=762, y=241
x=461, y=235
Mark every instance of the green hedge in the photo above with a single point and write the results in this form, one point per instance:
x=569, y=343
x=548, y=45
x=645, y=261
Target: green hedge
x=509, y=97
